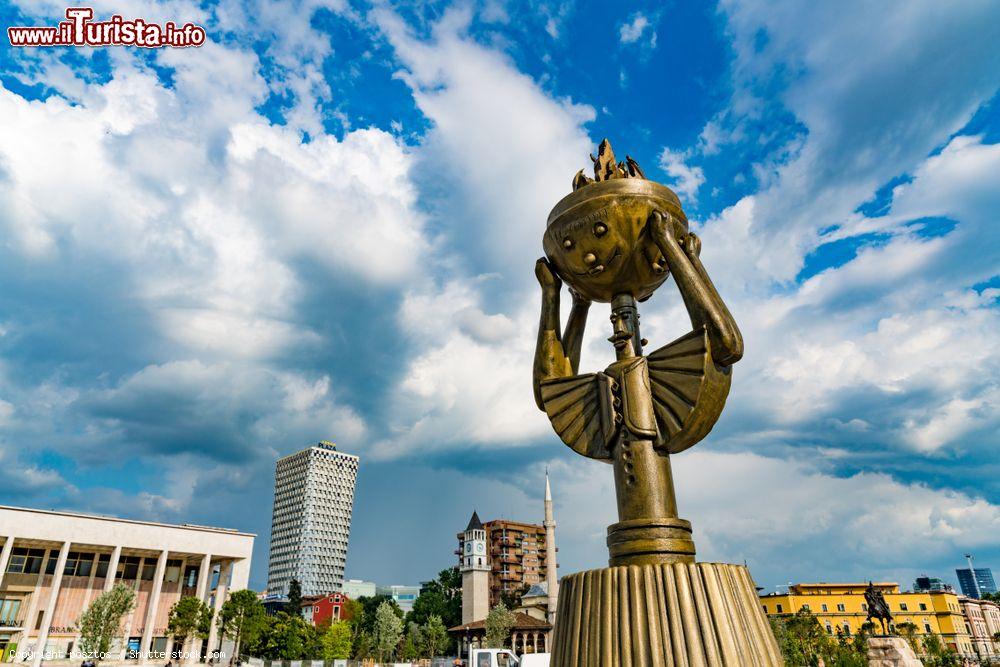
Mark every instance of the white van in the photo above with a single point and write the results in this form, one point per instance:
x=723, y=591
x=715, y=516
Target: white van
x=501, y=657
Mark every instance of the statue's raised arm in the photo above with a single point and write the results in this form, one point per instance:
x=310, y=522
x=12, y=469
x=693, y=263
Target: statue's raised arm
x=704, y=305
x=556, y=355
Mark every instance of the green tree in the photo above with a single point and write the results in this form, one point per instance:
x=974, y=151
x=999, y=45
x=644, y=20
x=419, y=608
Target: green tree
x=435, y=637
x=287, y=637
x=386, y=630
x=369, y=607
x=410, y=649
x=189, y=617
x=847, y=652
x=860, y=639
x=937, y=653
x=353, y=613
x=498, y=625
x=102, y=620
x=364, y=647
x=294, y=605
x=802, y=639
x=441, y=597
x=338, y=641
x=512, y=599
x=242, y=619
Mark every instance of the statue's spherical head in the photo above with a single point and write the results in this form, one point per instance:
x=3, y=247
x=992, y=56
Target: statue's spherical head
x=598, y=242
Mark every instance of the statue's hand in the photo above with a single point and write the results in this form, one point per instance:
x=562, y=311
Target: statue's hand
x=692, y=244
x=665, y=226
x=657, y=224
x=547, y=277
x=578, y=299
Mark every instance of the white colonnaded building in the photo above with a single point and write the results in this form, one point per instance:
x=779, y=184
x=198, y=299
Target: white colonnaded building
x=53, y=564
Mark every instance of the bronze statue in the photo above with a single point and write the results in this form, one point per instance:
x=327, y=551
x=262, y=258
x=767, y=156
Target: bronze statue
x=615, y=239
x=878, y=608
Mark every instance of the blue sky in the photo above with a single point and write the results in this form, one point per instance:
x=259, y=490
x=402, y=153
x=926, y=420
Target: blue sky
x=322, y=225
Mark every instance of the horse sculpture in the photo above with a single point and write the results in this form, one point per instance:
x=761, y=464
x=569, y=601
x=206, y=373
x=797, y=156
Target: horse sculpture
x=878, y=608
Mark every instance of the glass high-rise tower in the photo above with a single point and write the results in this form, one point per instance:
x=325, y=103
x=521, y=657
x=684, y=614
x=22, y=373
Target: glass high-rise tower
x=311, y=523
x=976, y=581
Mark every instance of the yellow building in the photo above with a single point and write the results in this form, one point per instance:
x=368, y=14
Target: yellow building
x=841, y=607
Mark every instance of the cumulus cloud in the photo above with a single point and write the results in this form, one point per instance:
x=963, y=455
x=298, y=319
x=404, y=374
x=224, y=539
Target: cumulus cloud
x=165, y=223
x=222, y=280
x=469, y=385
x=215, y=408
x=27, y=482
x=632, y=30
x=897, y=337
x=468, y=382
x=851, y=90
x=684, y=179
x=500, y=151
x=787, y=519
x=900, y=325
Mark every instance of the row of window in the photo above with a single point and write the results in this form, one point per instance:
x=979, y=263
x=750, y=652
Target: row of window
x=82, y=564
x=29, y=561
x=903, y=606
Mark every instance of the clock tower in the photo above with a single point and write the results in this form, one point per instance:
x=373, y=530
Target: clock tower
x=475, y=570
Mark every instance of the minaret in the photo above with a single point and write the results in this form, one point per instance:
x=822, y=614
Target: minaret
x=551, y=573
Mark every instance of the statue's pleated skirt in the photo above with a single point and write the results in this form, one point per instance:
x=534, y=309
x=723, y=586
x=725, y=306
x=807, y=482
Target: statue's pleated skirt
x=663, y=615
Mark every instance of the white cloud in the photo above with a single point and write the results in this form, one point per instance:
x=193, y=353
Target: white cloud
x=423, y=313
x=788, y=519
x=952, y=421
x=225, y=410
x=129, y=176
x=630, y=31
x=27, y=481
x=210, y=212
x=852, y=90
x=500, y=150
x=896, y=337
x=348, y=204
x=469, y=384
x=505, y=152
x=685, y=179
x=899, y=320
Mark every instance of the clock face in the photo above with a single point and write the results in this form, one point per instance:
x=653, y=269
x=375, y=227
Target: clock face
x=480, y=548
x=468, y=547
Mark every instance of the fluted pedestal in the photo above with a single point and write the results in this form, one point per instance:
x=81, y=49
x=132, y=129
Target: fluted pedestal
x=662, y=615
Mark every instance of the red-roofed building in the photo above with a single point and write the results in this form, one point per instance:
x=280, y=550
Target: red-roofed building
x=323, y=609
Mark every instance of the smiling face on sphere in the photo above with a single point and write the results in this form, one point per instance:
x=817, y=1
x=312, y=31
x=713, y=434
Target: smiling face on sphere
x=591, y=248
x=597, y=238
x=595, y=254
